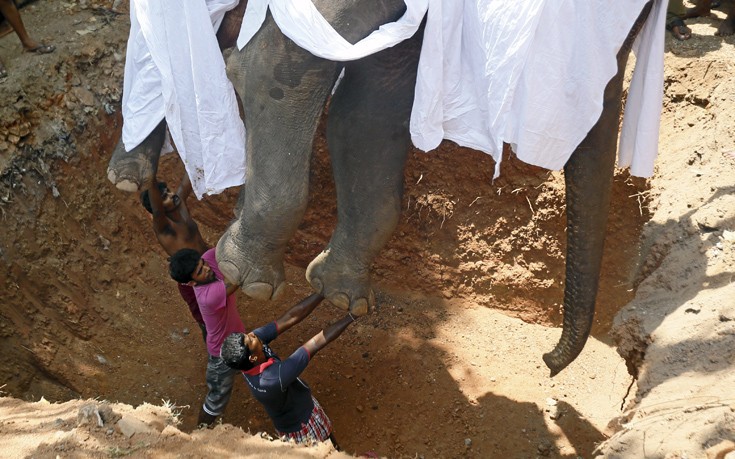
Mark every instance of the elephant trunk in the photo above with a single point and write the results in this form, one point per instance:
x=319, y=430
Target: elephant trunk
x=588, y=176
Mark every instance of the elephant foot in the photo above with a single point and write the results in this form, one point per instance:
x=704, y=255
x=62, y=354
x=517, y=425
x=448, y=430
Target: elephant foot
x=131, y=170
x=263, y=280
x=341, y=285
x=128, y=171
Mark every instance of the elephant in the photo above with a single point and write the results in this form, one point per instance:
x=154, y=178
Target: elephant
x=283, y=90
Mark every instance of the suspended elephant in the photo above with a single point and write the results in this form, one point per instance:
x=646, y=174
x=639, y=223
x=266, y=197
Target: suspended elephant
x=283, y=90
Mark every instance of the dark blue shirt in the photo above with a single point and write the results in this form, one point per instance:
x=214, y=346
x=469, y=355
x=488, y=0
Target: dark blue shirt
x=276, y=384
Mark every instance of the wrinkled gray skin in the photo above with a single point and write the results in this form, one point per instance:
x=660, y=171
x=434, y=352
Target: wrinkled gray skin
x=284, y=90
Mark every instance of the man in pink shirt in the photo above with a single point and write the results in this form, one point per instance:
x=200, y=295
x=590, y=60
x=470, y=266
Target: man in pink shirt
x=218, y=305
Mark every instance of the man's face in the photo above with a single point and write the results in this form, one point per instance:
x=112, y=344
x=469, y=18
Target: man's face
x=171, y=201
x=203, y=273
x=253, y=343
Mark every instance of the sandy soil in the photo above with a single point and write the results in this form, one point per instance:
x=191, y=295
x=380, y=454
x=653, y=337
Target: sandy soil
x=469, y=288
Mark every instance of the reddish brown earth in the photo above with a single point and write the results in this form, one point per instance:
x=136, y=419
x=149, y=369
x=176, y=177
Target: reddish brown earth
x=469, y=288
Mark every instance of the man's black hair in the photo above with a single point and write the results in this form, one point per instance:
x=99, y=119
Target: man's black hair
x=235, y=353
x=182, y=265
x=145, y=198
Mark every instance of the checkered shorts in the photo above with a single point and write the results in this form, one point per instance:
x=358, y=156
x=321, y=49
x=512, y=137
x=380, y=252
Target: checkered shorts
x=316, y=430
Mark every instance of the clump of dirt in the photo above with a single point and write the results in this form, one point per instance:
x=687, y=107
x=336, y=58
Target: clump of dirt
x=89, y=311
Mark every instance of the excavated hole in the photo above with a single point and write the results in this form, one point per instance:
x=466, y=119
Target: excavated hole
x=89, y=310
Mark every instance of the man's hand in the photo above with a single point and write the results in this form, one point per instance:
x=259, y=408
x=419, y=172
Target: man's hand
x=160, y=221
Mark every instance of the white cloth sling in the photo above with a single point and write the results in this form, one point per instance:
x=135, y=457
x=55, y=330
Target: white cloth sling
x=174, y=68
x=531, y=73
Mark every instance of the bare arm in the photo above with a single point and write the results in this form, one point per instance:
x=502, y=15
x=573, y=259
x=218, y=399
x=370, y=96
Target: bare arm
x=298, y=312
x=329, y=334
x=184, y=187
x=160, y=221
x=230, y=287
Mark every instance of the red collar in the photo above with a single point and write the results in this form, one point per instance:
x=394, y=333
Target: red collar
x=260, y=368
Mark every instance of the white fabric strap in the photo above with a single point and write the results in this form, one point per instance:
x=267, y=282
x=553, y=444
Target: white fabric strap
x=300, y=21
x=642, y=120
x=530, y=73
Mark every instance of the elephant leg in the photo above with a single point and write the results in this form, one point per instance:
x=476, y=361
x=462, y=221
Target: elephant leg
x=283, y=90
x=129, y=170
x=368, y=140
x=588, y=175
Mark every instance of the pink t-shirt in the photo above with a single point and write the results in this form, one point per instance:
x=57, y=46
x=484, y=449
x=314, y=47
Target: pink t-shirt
x=219, y=311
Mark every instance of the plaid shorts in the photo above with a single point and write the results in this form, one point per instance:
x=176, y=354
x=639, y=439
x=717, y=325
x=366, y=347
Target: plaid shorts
x=316, y=430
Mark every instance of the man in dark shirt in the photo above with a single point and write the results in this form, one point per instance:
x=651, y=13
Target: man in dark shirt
x=287, y=399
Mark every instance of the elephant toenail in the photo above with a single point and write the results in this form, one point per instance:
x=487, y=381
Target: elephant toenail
x=258, y=290
x=230, y=271
x=127, y=185
x=360, y=307
x=317, y=285
x=340, y=300
x=279, y=291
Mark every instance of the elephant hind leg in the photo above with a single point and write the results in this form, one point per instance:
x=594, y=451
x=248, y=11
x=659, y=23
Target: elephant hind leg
x=368, y=139
x=130, y=170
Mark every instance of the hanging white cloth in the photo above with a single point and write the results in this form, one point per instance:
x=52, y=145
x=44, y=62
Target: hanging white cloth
x=642, y=121
x=531, y=73
x=174, y=69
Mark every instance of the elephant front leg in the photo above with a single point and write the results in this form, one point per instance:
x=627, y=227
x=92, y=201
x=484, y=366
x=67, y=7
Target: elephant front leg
x=283, y=90
x=368, y=141
x=129, y=170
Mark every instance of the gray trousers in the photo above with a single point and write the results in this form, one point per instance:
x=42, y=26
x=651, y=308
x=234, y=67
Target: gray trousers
x=220, y=379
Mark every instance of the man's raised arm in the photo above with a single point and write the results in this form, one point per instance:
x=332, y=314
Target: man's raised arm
x=230, y=287
x=160, y=221
x=298, y=312
x=329, y=334
x=184, y=189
